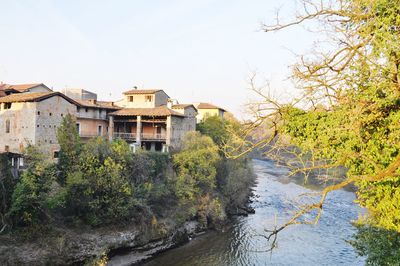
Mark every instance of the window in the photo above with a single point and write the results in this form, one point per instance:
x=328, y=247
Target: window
x=7, y=126
x=130, y=98
x=86, y=110
x=7, y=105
x=100, y=130
x=56, y=154
x=78, y=109
x=50, y=114
x=78, y=127
x=148, y=98
x=21, y=161
x=38, y=113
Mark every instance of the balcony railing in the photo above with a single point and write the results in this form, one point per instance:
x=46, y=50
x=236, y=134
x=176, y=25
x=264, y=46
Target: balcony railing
x=126, y=136
x=143, y=136
x=151, y=136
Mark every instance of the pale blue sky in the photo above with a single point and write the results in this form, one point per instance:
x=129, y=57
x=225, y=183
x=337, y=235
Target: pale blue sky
x=200, y=50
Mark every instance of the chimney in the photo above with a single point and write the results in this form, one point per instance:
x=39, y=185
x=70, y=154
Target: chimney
x=170, y=103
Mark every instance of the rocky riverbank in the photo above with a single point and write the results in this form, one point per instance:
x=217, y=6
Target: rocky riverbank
x=116, y=244
x=77, y=246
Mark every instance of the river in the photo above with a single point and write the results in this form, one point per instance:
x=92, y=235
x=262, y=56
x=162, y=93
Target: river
x=276, y=199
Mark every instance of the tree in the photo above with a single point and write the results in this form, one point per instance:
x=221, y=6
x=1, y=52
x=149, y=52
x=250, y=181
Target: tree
x=70, y=146
x=195, y=166
x=98, y=190
x=7, y=185
x=352, y=94
x=215, y=128
x=29, y=198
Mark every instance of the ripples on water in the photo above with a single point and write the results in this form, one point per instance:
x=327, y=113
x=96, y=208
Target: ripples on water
x=321, y=244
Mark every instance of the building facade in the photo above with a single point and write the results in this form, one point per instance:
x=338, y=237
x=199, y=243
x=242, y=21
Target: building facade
x=206, y=110
x=32, y=119
x=150, y=122
x=146, y=119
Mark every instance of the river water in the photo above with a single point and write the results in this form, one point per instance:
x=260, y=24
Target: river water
x=276, y=199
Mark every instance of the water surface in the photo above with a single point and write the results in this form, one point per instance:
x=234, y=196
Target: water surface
x=276, y=199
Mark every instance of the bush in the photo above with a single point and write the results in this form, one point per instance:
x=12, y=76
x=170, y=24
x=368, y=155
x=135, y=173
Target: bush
x=195, y=166
x=29, y=199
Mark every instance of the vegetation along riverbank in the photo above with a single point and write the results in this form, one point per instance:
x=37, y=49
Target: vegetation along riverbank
x=100, y=197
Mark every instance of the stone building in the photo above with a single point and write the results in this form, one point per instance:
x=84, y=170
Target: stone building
x=32, y=118
x=31, y=114
x=149, y=121
x=206, y=110
x=7, y=89
x=79, y=94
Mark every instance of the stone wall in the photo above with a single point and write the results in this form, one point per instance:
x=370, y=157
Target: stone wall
x=22, y=119
x=49, y=115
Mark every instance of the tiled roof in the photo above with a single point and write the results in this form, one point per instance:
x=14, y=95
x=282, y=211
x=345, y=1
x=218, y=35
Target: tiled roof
x=20, y=87
x=33, y=97
x=207, y=106
x=182, y=106
x=156, y=111
x=97, y=104
x=141, y=91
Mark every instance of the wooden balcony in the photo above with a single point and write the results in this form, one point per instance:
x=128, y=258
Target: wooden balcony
x=143, y=136
x=125, y=136
x=154, y=136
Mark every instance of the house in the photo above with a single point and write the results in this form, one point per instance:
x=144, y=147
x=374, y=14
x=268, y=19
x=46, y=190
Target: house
x=31, y=114
x=206, y=110
x=12, y=161
x=92, y=117
x=32, y=118
x=148, y=121
x=79, y=94
x=7, y=89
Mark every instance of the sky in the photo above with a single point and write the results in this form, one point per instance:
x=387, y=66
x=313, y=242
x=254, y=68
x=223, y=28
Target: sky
x=195, y=50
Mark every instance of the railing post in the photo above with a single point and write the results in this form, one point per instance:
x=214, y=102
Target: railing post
x=169, y=131
x=139, y=130
x=111, y=128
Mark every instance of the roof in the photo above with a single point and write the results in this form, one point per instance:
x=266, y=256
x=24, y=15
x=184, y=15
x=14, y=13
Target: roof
x=97, y=104
x=141, y=91
x=156, y=111
x=208, y=106
x=182, y=106
x=21, y=87
x=33, y=97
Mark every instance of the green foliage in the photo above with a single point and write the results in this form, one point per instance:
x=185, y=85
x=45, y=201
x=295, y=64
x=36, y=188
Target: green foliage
x=215, y=128
x=7, y=185
x=380, y=246
x=234, y=179
x=195, y=166
x=99, y=190
x=102, y=182
x=70, y=146
x=29, y=197
x=359, y=85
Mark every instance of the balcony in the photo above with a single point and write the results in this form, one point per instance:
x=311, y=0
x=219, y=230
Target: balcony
x=125, y=136
x=153, y=136
x=143, y=136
